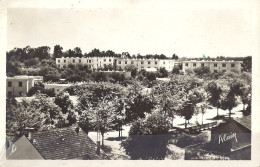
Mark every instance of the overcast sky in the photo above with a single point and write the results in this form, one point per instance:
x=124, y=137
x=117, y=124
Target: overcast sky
x=188, y=32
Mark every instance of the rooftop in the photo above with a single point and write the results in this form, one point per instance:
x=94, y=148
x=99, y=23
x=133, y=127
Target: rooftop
x=65, y=143
x=245, y=121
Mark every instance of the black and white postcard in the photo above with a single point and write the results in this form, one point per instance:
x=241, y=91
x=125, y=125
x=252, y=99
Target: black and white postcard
x=175, y=82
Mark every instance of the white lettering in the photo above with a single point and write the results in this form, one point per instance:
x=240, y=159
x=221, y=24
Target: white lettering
x=225, y=137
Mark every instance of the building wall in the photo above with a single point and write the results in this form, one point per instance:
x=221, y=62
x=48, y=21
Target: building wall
x=57, y=87
x=214, y=66
x=18, y=85
x=117, y=63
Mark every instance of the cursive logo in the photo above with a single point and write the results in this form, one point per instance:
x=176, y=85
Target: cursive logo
x=225, y=137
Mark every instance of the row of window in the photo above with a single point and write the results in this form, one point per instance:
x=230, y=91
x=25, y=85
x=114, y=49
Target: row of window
x=73, y=61
x=119, y=62
x=215, y=64
x=142, y=62
x=215, y=71
x=20, y=84
x=89, y=61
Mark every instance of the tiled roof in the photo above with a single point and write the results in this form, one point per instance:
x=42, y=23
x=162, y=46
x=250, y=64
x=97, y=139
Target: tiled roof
x=245, y=121
x=65, y=143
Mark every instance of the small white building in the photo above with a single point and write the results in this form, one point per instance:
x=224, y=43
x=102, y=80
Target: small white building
x=20, y=85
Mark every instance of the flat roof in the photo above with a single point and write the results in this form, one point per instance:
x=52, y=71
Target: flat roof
x=213, y=61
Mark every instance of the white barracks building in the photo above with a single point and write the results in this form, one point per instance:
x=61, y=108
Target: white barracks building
x=116, y=63
x=214, y=66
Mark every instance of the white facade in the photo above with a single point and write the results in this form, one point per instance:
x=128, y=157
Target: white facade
x=57, y=87
x=214, y=66
x=116, y=63
x=20, y=85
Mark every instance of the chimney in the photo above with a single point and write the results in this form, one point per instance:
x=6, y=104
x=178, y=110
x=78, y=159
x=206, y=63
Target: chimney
x=30, y=136
x=77, y=128
x=30, y=133
x=98, y=147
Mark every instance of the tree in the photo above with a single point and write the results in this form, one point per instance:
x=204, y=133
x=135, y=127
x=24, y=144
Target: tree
x=151, y=76
x=163, y=73
x=77, y=52
x=57, y=52
x=43, y=52
x=176, y=70
x=187, y=111
x=214, y=92
x=246, y=95
x=247, y=64
x=228, y=102
x=63, y=101
x=102, y=117
x=104, y=100
x=138, y=103
x=201, y=71
x=39, y=89
x=174, y=57
x=148, y=137
x=41, y=113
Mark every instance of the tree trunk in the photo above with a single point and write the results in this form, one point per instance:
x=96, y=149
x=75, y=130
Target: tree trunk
x=243, y=107
x=229, y=114
x=121, y=132
x=202, y=120
x=188, y=121
x=102, y=134
x=185, y=123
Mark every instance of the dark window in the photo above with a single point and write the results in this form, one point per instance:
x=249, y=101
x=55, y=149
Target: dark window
x=79, y=61
x=202, y=64
x=215, y=71
x=232, y=65
x=194, y=64
x=148, y=67
x=164, y=62
x=155, y=62
x=224, y=70
x=142, y=62
x=10, y=93
x=20, y=84
x=58, y=61
x=104, y=60
x=9, y=84
x=223, y=65
x=186, y=64
x=132, y=62
x=73, y=61
x=119, y=62
x=64, y=61
x=109, y=60
x=149, y=62
x=58, y=65
x=215, y=65
x=125, y=62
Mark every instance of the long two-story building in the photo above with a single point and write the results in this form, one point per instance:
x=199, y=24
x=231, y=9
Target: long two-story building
x=214, y=66
x=116, y=63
